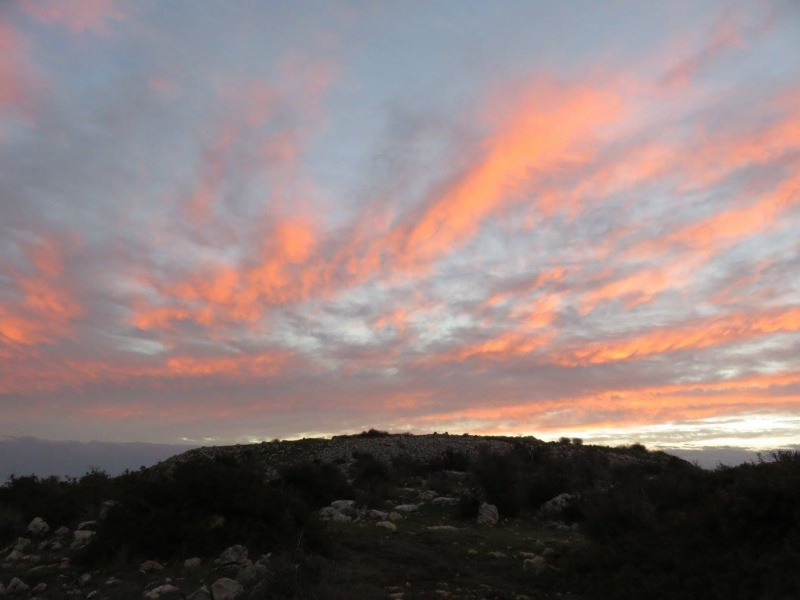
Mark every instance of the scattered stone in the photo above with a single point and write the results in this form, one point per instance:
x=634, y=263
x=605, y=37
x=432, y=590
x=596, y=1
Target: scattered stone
x=234, y=554
x=535, y=565
x=488, y=515
x=442, y=528
x=341, y=518
x=61, y=531
x=17, y=586
x=388, y=525
x=428, y=495
x=22, y=544
x=251, y=573
x=395, y=516
x=93, y=594
x=226, y=589
x=162, y=590
x=445, y=501
x=556, y=506
x=38, y=526
x=149, y=566
x=84, y=579
x=2, y=589
x=528, y=555
x=407, y=508
x=442, y=593
x=379, y=515
x=14, y=555
x=112, y=581
x=56, y=546
x=341, y=504
x=327, y=513
x=88, y=526
x=496, y=554
x=81, y=537
x=200, y=594
x=192, y=563
x=472, y=552
x=39, y=588
x=106, y=507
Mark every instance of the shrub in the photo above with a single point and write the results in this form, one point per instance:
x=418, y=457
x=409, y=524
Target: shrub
x=502, y=477
x=319, y=483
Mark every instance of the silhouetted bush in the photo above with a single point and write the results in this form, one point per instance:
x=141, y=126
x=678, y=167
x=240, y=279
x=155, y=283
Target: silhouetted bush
x=167, y=515
x=320, y=483
x=373, y=433
x=503, y=479
x=373, y=480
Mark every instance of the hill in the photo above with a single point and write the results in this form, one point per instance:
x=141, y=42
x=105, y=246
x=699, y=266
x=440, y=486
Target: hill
x=408, y=517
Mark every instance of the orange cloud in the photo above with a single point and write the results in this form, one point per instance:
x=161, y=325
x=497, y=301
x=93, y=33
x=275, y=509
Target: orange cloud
x=625, y=406
x=550, y=126
x=702, y=333
x=641, y=286
x=42, y=308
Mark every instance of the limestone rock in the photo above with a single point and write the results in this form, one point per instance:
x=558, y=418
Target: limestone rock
x=88, y=525
x=395, y=516
x=162, y=590
x=81, y=537
x=192, y=563
x=106, y=508
x=226, y=589
x=17, y=586
x=61, y=531
x=22, y=544
x=407, y=508
x=149, y=566
x=444, y=501
x=428, y=495
x=341, y=504
x=200, y=594
x=488, y=515
x=39, y=588
x=38, y=526
x=379, y=515
x=388, y=525
x=250, y=574
x=14, y=555
x=442, y=528
x=557, y=505
x=340, y=518
x=234, y=554
x=327, y=513
x=535, y=565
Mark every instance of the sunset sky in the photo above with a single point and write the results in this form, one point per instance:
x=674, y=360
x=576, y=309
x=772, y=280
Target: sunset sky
x=224, y=222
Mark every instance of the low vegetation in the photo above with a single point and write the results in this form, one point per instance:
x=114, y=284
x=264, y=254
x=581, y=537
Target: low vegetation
x=606, y=523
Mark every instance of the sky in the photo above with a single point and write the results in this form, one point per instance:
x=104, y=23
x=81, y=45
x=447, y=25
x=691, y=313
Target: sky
x=224, y=222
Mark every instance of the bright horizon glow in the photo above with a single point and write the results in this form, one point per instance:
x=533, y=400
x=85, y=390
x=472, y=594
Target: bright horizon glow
x=225, y=223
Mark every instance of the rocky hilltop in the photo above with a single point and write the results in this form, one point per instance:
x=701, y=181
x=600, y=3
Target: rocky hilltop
x=344, y=450
x=407, y=517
